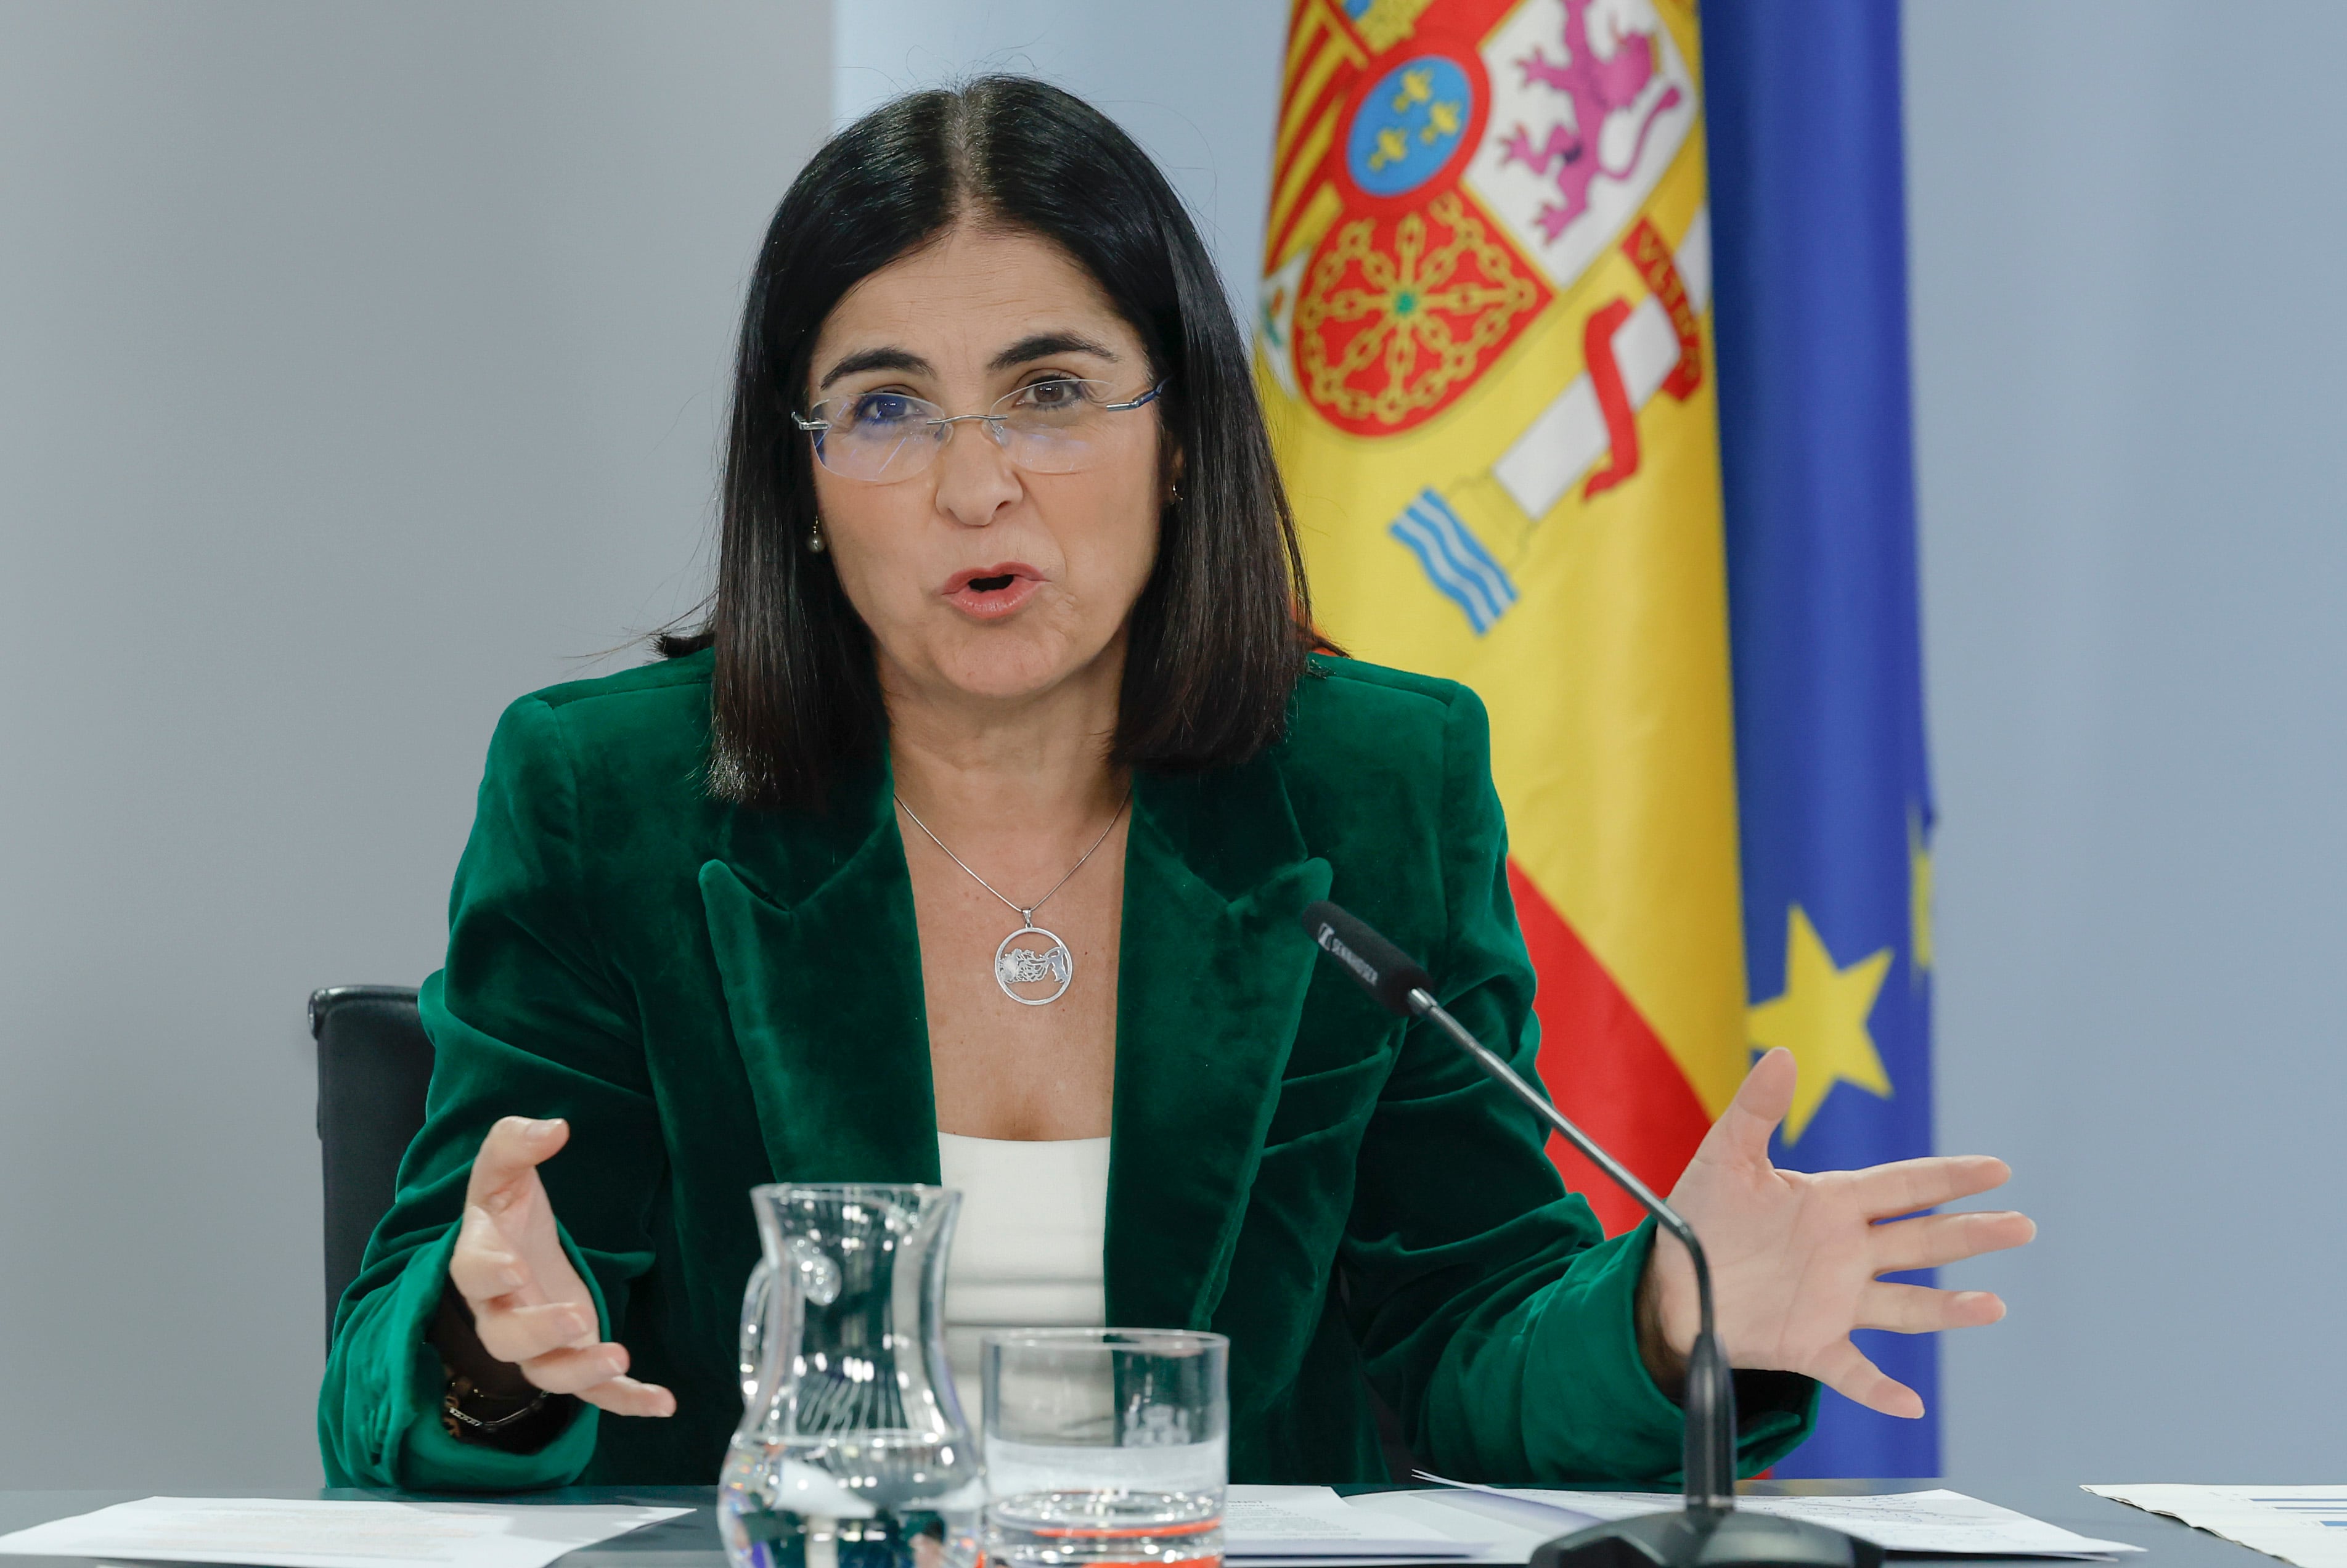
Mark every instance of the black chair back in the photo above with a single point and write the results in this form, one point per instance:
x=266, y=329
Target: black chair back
x=374, y=1062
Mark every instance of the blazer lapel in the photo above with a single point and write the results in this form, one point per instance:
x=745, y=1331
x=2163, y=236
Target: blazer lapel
x=813, y=928
x=812, y=922
x=1210, y=990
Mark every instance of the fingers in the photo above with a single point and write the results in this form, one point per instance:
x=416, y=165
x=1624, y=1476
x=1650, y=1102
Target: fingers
x=515, y=1145
x=1846, y=1370
x=1919, y=1309
x=484, y=1266
x=596, y=1374
x=1760, y=1103
x=523, y=1335
x=575, y=1370
x=554, y=1345
x=1907, y=1185
x=1935, y=1239
x=626, y=1397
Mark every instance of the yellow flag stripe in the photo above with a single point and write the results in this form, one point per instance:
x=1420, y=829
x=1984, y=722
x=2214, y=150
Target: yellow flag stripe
x=1299, y=174
x=1319, y=213
x=1305, y=89
x=1306, y=24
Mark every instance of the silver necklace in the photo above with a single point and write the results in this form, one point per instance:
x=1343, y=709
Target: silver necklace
x=1054, y=966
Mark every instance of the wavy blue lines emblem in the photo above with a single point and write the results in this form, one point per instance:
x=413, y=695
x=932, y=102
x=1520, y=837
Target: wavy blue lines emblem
x=1456, y=562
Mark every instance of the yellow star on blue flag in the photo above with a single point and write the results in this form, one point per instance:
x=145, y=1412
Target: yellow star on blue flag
x=1821, y=1017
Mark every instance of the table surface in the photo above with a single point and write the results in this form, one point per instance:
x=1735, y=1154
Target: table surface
x=690, y=1541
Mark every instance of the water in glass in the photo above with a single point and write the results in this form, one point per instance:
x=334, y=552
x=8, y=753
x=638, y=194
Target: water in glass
x=1105, y=1446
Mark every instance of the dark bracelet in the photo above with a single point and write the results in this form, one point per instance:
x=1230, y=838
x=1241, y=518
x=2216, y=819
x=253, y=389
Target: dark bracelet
x=462, y=1390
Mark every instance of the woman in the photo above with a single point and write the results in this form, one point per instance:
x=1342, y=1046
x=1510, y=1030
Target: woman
x=970, y=839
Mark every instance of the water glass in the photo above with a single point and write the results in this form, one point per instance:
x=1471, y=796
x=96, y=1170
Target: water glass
x=1105, y=1446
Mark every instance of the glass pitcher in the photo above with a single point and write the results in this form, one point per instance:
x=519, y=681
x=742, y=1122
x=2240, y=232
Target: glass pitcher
x=852, y=1451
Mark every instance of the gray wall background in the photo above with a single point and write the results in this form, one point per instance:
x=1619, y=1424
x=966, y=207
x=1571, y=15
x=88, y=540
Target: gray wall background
x=1197, y=84
x=360, y=369
x=2128, y=232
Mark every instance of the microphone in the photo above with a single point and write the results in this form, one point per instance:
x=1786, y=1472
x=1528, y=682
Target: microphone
x=1710, y=1531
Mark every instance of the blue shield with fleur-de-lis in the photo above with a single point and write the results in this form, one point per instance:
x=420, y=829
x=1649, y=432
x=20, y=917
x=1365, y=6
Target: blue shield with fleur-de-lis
x=1408, y=126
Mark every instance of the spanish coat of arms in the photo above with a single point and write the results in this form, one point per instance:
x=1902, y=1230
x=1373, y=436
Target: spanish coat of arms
x=1445, y=169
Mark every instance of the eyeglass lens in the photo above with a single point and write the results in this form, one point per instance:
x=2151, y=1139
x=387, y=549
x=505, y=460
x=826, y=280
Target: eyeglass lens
x=1049, y=427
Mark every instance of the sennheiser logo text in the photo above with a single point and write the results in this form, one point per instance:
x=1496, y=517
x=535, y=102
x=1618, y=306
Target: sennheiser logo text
x=1346, y=956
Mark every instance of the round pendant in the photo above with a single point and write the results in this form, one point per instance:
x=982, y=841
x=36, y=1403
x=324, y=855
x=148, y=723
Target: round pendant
x=1033, y=979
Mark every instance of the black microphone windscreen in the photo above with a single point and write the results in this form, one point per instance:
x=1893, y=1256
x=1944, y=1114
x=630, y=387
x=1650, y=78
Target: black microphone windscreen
x=1385, y=971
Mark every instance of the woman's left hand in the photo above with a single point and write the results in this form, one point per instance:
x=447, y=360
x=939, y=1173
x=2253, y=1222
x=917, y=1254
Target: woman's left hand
x=1794, y=1256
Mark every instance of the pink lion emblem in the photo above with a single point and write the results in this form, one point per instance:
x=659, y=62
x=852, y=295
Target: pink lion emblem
x=1594, y=89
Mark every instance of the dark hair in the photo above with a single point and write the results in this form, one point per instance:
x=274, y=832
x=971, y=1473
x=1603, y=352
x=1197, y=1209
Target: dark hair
x=1219, y=635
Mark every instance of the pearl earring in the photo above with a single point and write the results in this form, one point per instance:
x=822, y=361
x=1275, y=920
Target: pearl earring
x=815, y=538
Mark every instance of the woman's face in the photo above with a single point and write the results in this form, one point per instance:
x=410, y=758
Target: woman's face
x=978, y=577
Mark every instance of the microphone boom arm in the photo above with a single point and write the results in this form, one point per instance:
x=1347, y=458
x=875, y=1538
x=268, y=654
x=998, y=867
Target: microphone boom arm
x=1710, y=1531
x=1710, y=1462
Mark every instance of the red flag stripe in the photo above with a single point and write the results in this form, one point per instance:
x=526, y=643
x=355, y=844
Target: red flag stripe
x=1605, y=1067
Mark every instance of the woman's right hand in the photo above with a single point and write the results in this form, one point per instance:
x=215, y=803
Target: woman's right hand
x=529, y=1307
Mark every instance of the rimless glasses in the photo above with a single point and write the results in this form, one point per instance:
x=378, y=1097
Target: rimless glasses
x=1055, y=426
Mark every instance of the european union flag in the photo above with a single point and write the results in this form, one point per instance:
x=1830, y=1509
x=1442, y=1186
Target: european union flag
x=1833, y=792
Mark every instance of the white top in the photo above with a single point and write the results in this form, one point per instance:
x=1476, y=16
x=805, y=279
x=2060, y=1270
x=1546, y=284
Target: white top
x=1027, y=1248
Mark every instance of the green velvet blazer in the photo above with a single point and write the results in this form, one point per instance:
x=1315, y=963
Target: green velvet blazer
x=717, y=998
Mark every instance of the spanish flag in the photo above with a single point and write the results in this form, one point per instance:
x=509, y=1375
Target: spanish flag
x=1485, y=344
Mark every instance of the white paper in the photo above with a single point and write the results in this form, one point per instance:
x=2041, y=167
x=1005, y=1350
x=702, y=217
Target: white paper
x=1288, y=1523
x=1505, y=1532
x=2303, y=1524
x=1937, y=1522
x=308, y=1534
